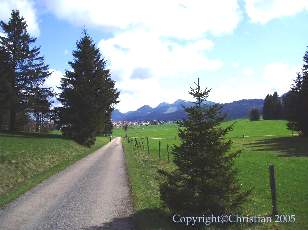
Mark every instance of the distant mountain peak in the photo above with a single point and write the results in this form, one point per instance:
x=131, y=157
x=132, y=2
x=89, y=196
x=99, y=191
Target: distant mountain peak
x=175, y=111
x=163, y=104
x=181, y=102
x=145, y=108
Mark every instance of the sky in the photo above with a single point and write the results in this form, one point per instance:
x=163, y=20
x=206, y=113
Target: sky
x=156, y=49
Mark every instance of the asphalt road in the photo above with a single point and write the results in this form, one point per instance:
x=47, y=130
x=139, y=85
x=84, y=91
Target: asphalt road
x=91, y=194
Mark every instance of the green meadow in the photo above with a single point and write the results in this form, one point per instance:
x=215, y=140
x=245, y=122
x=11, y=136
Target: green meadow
x=261, y=143
x=26, y=160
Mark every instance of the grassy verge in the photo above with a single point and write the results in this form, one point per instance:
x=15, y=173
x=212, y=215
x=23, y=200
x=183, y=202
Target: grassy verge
x=144, y=179
x=26, y=160
x=265, y=142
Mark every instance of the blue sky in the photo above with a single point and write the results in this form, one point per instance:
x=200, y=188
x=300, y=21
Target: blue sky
x=156, y=49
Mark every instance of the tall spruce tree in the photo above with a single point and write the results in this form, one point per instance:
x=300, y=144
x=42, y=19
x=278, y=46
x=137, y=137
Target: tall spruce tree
x=26, y=71
x=204, y=181
x=297, y=101
x=88, y=94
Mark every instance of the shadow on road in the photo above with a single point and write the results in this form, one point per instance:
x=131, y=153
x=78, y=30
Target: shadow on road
x=286, y=146
x=149, y=218
x=116, y=224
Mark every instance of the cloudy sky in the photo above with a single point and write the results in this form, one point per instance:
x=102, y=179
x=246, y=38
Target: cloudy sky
x=157, y=48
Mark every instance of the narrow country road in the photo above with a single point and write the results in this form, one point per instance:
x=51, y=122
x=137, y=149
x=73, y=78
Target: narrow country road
x=91, y=194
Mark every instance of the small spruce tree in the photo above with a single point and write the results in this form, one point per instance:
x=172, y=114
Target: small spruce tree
x=204, y=181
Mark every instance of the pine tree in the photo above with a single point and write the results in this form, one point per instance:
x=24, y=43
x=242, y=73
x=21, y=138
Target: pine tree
x=88, y=94
x=254, y=115
x=27, y=71
x=204, y=181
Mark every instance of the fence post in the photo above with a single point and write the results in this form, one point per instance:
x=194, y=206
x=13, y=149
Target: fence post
x=159, y=149
x=148, y=145
x=168, y=151
x=273, y=189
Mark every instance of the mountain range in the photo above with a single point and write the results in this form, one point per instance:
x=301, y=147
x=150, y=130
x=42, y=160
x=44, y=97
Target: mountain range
x=175, y=111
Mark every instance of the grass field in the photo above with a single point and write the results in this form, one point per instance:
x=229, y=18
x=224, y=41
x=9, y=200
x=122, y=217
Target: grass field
x=262, y=143
x=26, y=160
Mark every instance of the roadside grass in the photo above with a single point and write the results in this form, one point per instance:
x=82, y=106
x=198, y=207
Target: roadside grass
x=26, y=160
x=265, y=143
x=144, y=181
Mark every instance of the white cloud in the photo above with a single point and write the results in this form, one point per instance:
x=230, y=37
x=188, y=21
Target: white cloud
x=263, y=11
x=184, y=19
x=248, y=72
x=165, y=39
x=26, y=8
x=141, y=49
x=162, y=59
x=54, y=80
x=280, y=76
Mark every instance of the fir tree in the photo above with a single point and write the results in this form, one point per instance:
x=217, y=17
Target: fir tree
x=254, y=115
x=204, y=181
x=88, y=94
x=26, y=69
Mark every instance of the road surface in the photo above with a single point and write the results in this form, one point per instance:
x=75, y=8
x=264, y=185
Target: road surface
x=91, y=194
